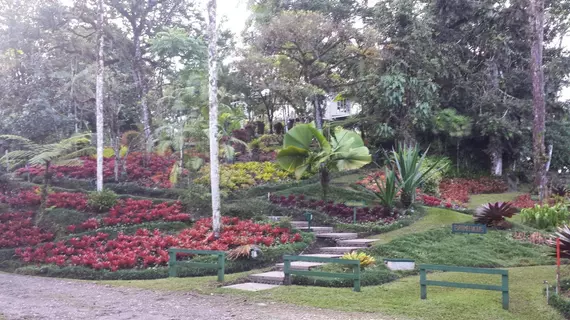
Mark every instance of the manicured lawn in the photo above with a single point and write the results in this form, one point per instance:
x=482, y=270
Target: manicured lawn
x=435, y=218
x=479, y=199
x=402, y=298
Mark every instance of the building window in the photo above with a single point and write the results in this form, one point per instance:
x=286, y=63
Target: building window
x=343, y=106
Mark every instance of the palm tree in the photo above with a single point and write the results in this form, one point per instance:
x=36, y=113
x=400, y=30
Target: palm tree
x=345, y=151
x=213, y=99
x=65, y=152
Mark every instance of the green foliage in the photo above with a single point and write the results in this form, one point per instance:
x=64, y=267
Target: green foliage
x=373, y=276
x=387, y=189
x=494, y=214
x=256, y=208
x=559, y=303
x=432, y=181
x=366, y=260
x=439, y=246
x=408, y=163
x=58, y=219
x=545, y=216
x=102, y=201
x=244, y=175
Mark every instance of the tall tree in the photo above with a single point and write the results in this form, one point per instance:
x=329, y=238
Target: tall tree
x=213, y=130
x=536, y=17
x=99, y=93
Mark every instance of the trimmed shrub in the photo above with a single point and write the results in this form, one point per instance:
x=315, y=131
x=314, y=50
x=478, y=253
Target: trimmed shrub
x=102, y=201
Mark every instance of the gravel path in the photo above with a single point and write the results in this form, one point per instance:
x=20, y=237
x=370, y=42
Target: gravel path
x=23, y=297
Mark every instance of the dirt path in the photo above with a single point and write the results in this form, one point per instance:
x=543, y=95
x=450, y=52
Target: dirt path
x=23, y=297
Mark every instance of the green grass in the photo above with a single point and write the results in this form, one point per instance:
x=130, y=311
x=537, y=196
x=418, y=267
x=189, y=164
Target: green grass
x=401, y=298
x=440, y=246
x=435, y=218
x=479, y=199
x=337, y=194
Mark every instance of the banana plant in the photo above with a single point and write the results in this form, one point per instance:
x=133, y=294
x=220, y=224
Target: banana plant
x=306, y=149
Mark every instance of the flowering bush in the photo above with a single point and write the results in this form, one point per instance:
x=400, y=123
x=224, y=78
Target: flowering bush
x=21, y=198
x=460, y=189
x=148, y=249
x=16, y=229
x=338, y=210
x=369, y=182
x=69, y=200
x=245, y=174
x=131, y=211
x=524, y=201
x=155, y=173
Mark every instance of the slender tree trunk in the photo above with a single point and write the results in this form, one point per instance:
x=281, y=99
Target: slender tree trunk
x=536, y=14
x=141, y=88
x=99, y=95
x=44, y=193
x=318, y=113
x=213, y=98
x=117, y=149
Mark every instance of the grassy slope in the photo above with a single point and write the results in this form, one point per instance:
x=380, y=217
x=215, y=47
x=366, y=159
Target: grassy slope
x=479, y=199
x=435, y=218
x=401, y=298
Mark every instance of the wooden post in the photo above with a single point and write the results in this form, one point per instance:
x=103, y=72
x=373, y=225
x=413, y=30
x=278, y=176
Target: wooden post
x=505, y=290
x=423, y=287
x=354, y=216
x=357, y=279
x=172, y=272
x=557, y=265
x=286, y=270
x=221, y=266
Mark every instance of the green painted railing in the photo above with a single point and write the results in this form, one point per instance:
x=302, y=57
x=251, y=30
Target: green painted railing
x=355, y=275
x=504, y=287
x=173, y=264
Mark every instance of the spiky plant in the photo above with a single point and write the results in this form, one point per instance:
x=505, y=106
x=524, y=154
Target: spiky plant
x=365, y=259
x=244, y=251
x=65, y=152
x=388, y=190
x=564, y=234
x=494, y=214
x=560, y=191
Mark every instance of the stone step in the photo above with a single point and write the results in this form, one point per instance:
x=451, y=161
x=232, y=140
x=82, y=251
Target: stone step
x=299, y=224
x=251, y=286
x=271, y=277
x=339, y=250
x=338, y=235
x=356, y=242
x=322, y=255
x=300, y=265
x=275, y=218
x=318, y=230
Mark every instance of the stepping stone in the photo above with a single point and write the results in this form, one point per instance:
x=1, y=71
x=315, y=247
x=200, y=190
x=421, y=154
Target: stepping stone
x=251, y=286
x=300, y=265
x=300, y=224
x=338, y=235
x=322, y=255
x=318, y=230
x=356, y=242
x=339, y=250
x=271, y=277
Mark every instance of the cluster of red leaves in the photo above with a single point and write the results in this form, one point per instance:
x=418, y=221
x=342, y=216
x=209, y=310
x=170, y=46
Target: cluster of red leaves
x=338, y=210
x=459, y=189
x=132, y=211
x=69, y=200
x=523, y=201
x=430, y=200
x=17, y=229
x=152, y=173
x=369, y=182
x=147, y=249
x=235, y=232
x=19, y=198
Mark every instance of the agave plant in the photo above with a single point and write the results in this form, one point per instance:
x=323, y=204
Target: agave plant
x=387, y=190
x=564, y=234
x=494, y=214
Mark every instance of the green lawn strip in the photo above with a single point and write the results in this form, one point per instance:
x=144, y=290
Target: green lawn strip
x=204, y=285
x=347, y=180
x=435, y=218
x=477, y=200
x=402, y=298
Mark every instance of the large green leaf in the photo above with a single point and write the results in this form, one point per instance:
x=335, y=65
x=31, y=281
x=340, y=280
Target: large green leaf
x=292, y=157
x=299, y=136
x=344, y=140
x=352, y=159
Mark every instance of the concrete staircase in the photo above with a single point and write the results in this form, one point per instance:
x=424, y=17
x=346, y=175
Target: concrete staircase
x=346, y=242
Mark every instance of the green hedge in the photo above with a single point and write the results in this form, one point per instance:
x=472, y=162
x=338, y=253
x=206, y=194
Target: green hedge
x=268, y=257
x=372, y=277
x=371, y=228
x=559, y=302
x=164, y=226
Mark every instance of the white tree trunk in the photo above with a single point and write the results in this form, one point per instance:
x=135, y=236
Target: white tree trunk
x=497, y=161
x=213, y=98
x=99, y=96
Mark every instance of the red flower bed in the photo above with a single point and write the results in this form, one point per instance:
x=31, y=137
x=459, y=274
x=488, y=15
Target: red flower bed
x=131, y=211
x=430, y=200
x=21, y=198
x=156, y=173
x=460, y=189
x=148, y=249
x=523, y=201
x=337, y=210
x=69, y=200
x=16, y=229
